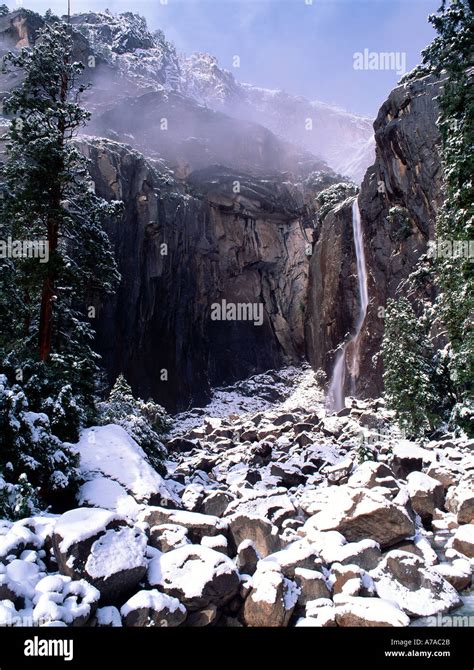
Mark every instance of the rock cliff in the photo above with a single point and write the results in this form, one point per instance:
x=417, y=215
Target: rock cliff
x=183, y=247
x=398, y=200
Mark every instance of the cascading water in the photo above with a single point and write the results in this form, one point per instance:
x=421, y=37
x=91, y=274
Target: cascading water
x=351, y=348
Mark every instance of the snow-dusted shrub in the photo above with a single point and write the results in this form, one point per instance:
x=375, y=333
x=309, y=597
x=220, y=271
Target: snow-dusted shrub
x=144, y=421
x=18, y=500
x=32, y=458
x=333, y=195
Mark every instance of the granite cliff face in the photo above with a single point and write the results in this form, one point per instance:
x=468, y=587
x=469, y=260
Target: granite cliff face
x=398, y=200
x=184, y=246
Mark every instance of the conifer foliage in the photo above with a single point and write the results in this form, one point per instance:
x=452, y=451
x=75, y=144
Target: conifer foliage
x=144, y=421
x=48, y=367
x=451, y=267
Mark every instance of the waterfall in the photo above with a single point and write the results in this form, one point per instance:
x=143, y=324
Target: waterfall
x=351, y=349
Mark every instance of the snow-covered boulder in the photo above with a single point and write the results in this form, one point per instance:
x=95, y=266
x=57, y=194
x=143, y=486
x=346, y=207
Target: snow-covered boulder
x=107, y=494
x=274, y=505
x=368, y=612
x=196, y=575
x=18, y=581
x=197, y=525
x=257, y=529
x=168, y=536
x=409, y=457
x=319, y=613
x=426, y=494
x=360, y=514
x=457, y=573
x=419, y=591
x=312, y=585
x=346, y=579
x=247, y=557
x=216, y=503
x=58, y=598
x=99, y=546
x=216, y=542
x=109, y=452
x=299, y=554
x=460, y=500
x=463, y=540
x=365, y=554
x=15, y=538
x=272, y=598
x=152, y=608
x=372, y=473
x=108, y=617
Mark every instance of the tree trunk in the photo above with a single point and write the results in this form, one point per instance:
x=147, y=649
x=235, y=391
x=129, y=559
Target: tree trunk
x=46, y=311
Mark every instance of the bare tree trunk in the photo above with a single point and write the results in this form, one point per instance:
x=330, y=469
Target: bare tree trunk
x=47, y=297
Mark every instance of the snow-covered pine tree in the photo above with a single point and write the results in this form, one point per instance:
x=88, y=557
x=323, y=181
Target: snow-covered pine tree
x=410, y=389
x=48, y=196
x=450, y=317
x=49, y=371
x=449, y=55
x=144, y=421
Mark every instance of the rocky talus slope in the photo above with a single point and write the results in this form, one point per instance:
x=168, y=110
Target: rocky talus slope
x=267, y=517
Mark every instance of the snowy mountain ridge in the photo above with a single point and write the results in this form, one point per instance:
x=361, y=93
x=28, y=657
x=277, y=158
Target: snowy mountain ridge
x=148, y=62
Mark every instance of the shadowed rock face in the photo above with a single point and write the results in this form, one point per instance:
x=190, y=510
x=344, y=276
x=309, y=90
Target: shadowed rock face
x=406, y=174
x=243, y=248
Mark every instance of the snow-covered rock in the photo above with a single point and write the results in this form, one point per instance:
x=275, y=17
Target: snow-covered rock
x=107, y=494
x=109, y=452
x=463, y=540
x=152, y=608
x=247, y=557
x=58, y=598
x=368, y=612
x=426, y=494
x=168, y=536
x=372, y=473
x=458, y=573
x=409, y=457
x=99, y=546
x=108, y=617
x=272, y=598
x=274, y=505
x=419, y=591
x=460, y=499
x=299, y=554
x=196, y=575
x=312, y=585
x=258, y=530
x=359, y=514
x=197, y=525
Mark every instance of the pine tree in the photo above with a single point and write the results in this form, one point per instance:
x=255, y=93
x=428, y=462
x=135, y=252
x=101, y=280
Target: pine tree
x=446, y=375
x=48, y=196
x=449, y=56
x=409, y=373
x=144, y=421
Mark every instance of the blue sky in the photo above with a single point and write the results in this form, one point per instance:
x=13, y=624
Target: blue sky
x=305, y=49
